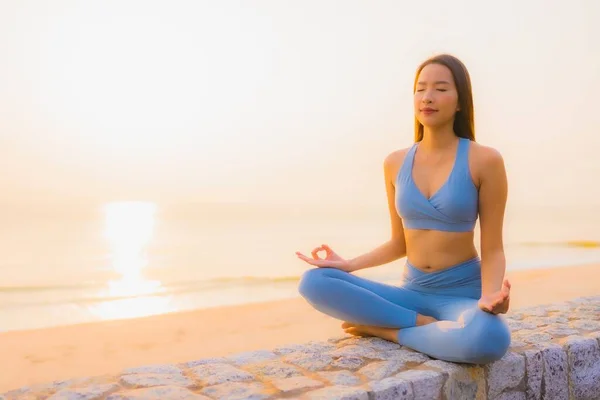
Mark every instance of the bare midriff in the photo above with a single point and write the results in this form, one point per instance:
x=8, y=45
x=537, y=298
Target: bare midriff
x=432, y=251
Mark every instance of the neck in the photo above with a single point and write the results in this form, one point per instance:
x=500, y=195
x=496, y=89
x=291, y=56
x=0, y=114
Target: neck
x=438, y=137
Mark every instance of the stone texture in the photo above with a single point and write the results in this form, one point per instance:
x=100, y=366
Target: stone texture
x=205, y=361
x=512, y=396
x=94, y=392
x=376, y=371
x=506, y=373
x=381, y=344
x=296, y=383
x=154, y=369
x=391, y=389
x=148, y=380
x=341, y=378
x=534, y=363
x=357, y=350
x=220, y=373
x=311, y=362
x=533, y=336
x=237, y=391
x=518, y=325
x=555, y=384
x=586, y=325
x=352, y=363
x=583, y=356
x=554, y=354
x=464, y=381
x=309, y=348
x=560, y=331
x=405, y=356
x=158, y=392
x=252, y=357
x=338, y=393
x=273, y=370
x=427, y=384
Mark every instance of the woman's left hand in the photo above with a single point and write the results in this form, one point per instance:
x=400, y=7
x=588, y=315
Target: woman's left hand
x=497, y=303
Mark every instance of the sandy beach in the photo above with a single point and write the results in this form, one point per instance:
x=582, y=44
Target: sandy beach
x=43, y=355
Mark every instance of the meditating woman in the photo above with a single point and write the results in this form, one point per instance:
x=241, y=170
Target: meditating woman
x=449, y=300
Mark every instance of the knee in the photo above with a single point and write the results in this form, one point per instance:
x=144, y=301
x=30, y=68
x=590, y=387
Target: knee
x=314, y=282
x=492, y=337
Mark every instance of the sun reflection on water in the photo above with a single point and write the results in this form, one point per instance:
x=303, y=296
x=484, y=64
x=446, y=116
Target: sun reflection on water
x=129, y=227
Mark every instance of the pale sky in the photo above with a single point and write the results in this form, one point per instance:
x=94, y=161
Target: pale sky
x=284, y=101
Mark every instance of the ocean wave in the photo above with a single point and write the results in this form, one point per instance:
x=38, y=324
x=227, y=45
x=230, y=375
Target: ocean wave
x=200, y=282
x=31, y=296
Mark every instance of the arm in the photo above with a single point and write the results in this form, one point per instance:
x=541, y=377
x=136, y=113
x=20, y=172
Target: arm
x=493, y=191
x=394, y=248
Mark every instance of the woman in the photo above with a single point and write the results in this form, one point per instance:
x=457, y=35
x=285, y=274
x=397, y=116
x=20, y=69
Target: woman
x=448, y=303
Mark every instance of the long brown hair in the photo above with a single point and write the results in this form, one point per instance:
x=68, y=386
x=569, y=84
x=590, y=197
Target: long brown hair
x=464, y=119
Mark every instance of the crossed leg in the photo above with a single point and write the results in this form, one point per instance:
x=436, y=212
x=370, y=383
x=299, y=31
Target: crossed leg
x=358, y=300
x=464, y=333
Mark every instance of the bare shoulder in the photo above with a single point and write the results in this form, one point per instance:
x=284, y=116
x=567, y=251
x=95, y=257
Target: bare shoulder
x=485, y=161
x=393, y=161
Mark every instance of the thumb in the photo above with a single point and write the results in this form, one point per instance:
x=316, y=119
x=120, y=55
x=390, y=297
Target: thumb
x=506, y=288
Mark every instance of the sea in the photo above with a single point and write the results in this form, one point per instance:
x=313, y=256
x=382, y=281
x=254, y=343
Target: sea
x=135, y=258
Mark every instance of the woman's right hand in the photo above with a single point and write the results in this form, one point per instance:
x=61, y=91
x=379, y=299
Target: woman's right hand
x=332, y=259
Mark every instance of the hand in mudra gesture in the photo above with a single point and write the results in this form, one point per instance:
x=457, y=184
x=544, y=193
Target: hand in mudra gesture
x=332, y=259
x=498, y=302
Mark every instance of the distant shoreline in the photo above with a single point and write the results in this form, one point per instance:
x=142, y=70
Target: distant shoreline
x=199, y=296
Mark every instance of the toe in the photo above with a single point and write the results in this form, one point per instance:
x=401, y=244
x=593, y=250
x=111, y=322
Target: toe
x=354, y=332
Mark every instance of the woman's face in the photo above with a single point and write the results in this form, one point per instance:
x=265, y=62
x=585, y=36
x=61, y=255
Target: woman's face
x=436, y=97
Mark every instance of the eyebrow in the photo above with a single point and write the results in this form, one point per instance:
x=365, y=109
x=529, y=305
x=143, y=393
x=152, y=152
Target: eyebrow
x=435, y=83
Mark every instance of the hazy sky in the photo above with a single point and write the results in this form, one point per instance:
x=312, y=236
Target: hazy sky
x=284, y=101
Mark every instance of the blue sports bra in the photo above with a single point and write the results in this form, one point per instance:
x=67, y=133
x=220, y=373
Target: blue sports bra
x=454, y=207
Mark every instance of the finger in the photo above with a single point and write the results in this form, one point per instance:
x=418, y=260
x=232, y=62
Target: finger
x=499, y=300
x=314, y=253
x=491, y=303
x=316, y=262
x=501, y=308
x=307, y=259
x=497, y=310
x=327, y=251
x=326, y=248
x=494, y=309
x=497, y=305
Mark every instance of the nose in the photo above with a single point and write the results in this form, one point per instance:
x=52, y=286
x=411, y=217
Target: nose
x=426, y=97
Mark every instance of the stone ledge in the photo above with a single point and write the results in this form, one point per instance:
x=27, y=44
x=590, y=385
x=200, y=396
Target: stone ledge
x=555, y=354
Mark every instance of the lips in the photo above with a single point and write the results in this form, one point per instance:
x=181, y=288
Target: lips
x=428, y=111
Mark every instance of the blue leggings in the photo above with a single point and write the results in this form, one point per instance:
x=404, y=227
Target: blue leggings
x=464, y=333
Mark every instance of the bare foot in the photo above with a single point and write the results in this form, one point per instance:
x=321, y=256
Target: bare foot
x=425, y=319
x=390, y=334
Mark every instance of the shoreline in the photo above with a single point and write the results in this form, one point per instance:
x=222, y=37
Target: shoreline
x=539, y=266
x=106, y=347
